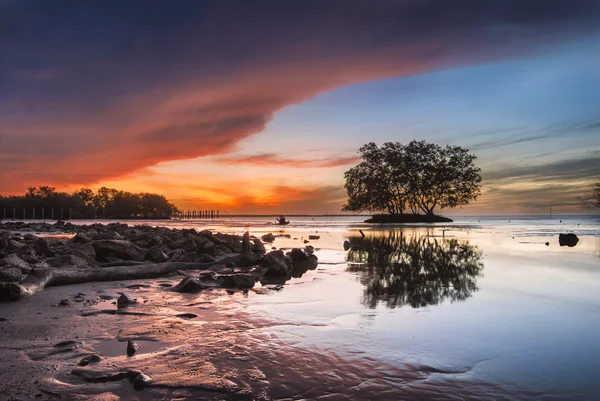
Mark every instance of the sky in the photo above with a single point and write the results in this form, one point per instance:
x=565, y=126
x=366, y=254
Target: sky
x=260, y=107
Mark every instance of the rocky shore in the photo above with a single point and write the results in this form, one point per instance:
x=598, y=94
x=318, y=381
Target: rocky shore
x=38, y=255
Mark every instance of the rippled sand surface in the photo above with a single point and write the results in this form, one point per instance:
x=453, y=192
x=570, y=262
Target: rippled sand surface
x=470, y=310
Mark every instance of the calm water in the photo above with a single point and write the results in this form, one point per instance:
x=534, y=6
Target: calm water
x=481, y=302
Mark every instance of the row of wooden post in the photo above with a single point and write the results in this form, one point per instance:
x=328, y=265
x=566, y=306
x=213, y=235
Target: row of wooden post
x=197, y=214
x=6, y=214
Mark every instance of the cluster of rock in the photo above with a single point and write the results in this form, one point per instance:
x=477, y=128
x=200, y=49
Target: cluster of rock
x=101, y=246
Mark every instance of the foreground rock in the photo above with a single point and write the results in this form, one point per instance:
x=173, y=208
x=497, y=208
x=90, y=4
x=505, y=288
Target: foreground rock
x=119, y=252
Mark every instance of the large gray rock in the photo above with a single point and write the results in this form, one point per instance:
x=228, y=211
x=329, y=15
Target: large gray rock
x=81, y=239
x=156, y=254
x=258, y=246
x=13, y=260
x=121, y=249
x=11, y=275
x=268, y=237
x=85, y=249
x=187, y=244
x=68, y=261
x=302, y=261
x=238, y=280
x=153, y=240
x=42, y=247
x=204, y=246
x=190, y=285
x=277, y=264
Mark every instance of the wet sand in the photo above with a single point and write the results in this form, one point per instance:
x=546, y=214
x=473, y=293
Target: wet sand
x=526, y=330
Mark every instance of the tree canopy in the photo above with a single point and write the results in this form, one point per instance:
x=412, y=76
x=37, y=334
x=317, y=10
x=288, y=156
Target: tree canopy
x=84, y=203
x=418, y=176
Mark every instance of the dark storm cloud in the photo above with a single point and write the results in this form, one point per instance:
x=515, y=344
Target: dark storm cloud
x=108, y=87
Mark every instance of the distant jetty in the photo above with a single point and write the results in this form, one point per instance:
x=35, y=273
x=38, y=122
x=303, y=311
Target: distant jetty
x=407, y=218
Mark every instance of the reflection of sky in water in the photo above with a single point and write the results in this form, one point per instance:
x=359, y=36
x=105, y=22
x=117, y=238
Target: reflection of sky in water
x=531, y=322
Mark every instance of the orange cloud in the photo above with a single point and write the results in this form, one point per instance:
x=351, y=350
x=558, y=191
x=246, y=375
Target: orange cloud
x=270, y=159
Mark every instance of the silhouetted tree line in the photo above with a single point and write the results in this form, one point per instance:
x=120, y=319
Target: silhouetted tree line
x=85, y=204
x=414, y=270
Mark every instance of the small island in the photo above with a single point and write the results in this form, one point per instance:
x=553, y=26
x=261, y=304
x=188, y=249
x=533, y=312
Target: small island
x=407, y=218
x=407, y=182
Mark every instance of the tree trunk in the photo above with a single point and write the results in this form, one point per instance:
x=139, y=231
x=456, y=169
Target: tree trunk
x=38, y=279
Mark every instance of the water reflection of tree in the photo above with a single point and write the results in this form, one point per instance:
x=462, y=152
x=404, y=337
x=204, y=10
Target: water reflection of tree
x=414, y=270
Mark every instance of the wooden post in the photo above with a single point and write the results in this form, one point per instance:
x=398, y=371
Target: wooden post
x=70, y=215
x=33, y=214
x=43, y=216
x=4, y=213
x=61, y=213
x=218, y=214
x=14, y=213
x=52, y=214
x=23, y=214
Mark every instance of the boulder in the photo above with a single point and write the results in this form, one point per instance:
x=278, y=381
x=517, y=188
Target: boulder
x=302, y=261
x=569, y=239
x=13, y=260
x=204, y=246
x=117, y=248
x=258, y=246
x=156, y=254
x=68, y=260
x=42, y=247
x=277, y=264
x=347, y=245
x=154, y=240
x=80, y=238
x=11, y=275
x=187, y=244
x=268, y=237
x=238, y=280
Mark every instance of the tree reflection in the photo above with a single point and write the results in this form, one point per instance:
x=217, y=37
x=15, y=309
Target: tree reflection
x=414, y=270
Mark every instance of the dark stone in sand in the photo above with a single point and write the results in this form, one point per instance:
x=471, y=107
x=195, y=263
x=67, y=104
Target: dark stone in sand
x=407, y=218
x=569, y=239
x=187, y=315
x=125, y=300
x=238, y=280
x=268, y=237
x=64, y=302
x=190, y=285
x=132, y=347
x=347, y=245
x=547, y=244
x=277, y=264
x=314, y=237
x=94, y=358
x=3, y=319
x=141, y=381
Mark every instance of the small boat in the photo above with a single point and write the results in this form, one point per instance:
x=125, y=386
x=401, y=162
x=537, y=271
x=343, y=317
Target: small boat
x=281, y=221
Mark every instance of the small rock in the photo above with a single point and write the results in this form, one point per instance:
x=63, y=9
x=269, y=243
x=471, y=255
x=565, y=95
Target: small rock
x=125, y=300
x=347, y=245
x=547, y=244
x=132, y=347
x=94, y=358
x=314, y=237
x=268, y=237
x=187, y=315
x=64, y=302
x=141, y=381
